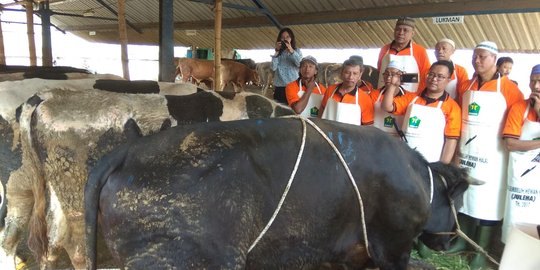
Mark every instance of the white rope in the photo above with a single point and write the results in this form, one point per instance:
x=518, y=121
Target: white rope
x=430, y=185
x=300, y=152
x=360, y=202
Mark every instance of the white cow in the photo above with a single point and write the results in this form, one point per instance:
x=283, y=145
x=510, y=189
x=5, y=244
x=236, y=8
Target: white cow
x=65, y=131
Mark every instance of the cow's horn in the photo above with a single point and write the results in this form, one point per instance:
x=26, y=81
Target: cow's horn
x=473, y=181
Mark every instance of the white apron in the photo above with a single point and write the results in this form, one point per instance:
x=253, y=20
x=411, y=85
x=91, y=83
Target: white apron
x=314, y=103
x=410, y=66
x=483, y=153
x=523, y=196
x=452, y=85
x=424, y=129
x=343, y=112
x=385, y=120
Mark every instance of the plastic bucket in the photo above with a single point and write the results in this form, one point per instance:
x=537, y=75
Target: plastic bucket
x=522, y=250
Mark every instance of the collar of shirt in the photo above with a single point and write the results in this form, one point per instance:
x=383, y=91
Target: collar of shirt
x=394, y=42
x=429, y=100
x=352, y=93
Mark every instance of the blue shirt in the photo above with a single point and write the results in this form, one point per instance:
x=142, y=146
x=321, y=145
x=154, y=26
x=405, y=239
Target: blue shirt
x=286, y=67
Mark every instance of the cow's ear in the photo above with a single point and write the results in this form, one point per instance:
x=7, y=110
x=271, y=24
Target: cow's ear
x=458, y=189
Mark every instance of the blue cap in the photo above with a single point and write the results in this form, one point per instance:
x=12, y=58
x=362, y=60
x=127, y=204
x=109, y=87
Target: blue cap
x=535, y=70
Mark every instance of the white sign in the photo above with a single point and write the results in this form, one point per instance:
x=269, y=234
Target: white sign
x=448, y=19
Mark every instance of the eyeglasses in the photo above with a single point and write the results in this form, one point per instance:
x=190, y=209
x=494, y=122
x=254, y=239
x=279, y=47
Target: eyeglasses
x=439, y=77
x=388, y=74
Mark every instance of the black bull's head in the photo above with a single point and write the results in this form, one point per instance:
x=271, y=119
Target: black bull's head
x=449, y=184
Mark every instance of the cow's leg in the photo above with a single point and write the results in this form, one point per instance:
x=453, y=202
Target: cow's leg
x=19, y=208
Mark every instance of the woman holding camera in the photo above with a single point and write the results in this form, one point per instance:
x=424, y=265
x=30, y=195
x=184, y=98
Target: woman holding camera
x=285, y=63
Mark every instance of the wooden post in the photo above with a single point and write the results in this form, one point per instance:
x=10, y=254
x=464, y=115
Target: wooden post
x=2, y=51
x=30, y=31
x=122, y=32
x=217, y=45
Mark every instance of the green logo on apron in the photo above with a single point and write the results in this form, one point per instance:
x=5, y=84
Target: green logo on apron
x=414, y=122
x=474, y=109
x=389, y=121
x=314, y=112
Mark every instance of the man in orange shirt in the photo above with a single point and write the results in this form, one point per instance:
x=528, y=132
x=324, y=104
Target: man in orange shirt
x=305, y=95
x=432, y=119
x=413, y=56
x=484, y=102
x=521, y=134
x=347, y=102
x=444, y=49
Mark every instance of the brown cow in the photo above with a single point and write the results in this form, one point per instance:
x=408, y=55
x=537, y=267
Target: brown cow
x=238, y=74
x=196, y=69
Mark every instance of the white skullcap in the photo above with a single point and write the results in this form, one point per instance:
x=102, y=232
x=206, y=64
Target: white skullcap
x=449, y=41
x=396, y=64
x=489, y=46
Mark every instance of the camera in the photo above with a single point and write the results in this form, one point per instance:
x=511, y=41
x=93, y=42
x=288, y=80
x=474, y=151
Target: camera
x=409, y=78
x=283, y=45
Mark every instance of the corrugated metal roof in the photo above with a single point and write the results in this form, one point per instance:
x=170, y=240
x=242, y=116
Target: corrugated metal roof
x=316, y=23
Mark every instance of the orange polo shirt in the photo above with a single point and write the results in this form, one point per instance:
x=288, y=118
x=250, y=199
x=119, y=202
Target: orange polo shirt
x=419, y=53
x=449, y=107
x=509, y=90
x=364, y=101
x=514, y=120
x=292, y=89
x=461, y=74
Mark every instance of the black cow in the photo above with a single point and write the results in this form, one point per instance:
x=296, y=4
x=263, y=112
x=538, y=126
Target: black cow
x=196, y=197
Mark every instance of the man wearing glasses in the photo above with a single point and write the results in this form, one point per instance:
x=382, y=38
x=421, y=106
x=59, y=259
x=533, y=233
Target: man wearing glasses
x=432, y=119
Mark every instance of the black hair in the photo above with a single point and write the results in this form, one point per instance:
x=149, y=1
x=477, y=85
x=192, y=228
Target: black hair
x=503, y=60
x=291, y=34
x=354, y=60
x=445, y=63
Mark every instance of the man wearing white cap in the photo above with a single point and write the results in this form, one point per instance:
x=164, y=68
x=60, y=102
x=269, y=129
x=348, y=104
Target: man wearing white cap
x=522, y=137
x=305, y=95
x=385, y=121
x=413, y=56
x=484, y=102
x=444, y=49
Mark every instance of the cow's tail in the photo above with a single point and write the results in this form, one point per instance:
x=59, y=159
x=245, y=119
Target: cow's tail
x=96, y=180
x=37, y=238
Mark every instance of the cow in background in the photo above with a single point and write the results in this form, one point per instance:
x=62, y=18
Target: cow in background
x=196, y=70
x=238, y=74
x=266, y=75
x=248, y=62
x=332, y=74
x=209, y=189
x=65, y=131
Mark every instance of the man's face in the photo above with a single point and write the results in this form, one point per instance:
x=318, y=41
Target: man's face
x=350, y=75
x=483, y=60
x=443, y=51
x=505, y=68
x=308, y=70
x=403, y=34
x=392, y=76
x=535, y=83
x=437, y=78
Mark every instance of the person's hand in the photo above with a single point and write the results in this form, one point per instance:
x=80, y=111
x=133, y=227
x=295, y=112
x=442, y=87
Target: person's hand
x=311, y=85
x=278, y=46
x=535, y=97
x=289, y=47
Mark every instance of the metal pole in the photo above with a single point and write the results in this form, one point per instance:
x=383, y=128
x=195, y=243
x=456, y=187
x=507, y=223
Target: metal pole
x=46, y=47
x=2, y=51
x=166, y=41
